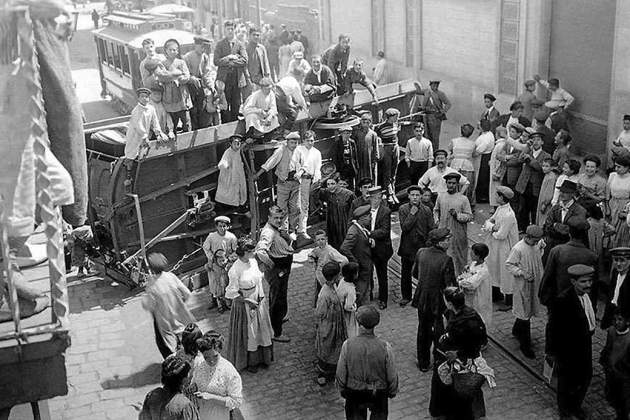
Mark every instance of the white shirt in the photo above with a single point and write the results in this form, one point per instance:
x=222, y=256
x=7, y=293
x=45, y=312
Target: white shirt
x=559, y=97
x=292, y=89
x=311, y=160
x=419, y=150
x=143, y=119
x=564, y=209
x=588, y=310
x=484, y=144
x=624, y=139
x=620, y=278
x=512, y=120
x=373, y=217
x=434, y=179
x=535, y=153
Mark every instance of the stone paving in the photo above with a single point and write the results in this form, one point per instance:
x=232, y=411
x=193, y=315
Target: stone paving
x=113, y=361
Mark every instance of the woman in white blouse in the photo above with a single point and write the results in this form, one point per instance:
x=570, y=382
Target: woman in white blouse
x=249, y=344
x=260, y=111
x=216, y=383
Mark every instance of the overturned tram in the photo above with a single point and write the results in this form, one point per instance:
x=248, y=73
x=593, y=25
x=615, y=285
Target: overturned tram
x=164, y=201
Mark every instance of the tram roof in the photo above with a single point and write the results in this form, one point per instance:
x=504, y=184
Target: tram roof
x=170, y=8
x=134, y=39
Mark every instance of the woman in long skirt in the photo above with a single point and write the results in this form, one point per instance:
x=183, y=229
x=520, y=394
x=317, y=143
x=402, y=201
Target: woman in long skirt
x=618, y=194
x=249, y=343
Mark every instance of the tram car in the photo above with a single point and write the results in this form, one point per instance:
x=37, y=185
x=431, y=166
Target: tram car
x=164, y=201
x=119, y=50
x=186, y=14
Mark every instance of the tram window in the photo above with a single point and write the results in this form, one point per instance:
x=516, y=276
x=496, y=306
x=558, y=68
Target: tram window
x=124, y=58
x=110, y=53
x=102, y=50
x=116, y=57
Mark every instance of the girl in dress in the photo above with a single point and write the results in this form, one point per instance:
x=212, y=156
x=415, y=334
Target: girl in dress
x=347, y=293
x=249, y=344
x=618, y=195
x=215, y=382
x=547, y=190
x=461, y=152
x=219, y=279
x=497, y=165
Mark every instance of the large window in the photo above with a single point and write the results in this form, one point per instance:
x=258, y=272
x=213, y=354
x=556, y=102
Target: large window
x=102, y=52
x=111, y=53
x=124, y=60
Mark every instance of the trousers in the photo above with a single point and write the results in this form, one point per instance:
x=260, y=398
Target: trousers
x=278, y=279
x=389, y=166
x=573, y=383
x=199, y=117
x=430, y=329
x=405, y=277
x=380, y=266
x=288, y=193
x=416, y=170
x=233, y=98
x=434, y=126
x=359, y=402
x=305, y=198
x=183, y=116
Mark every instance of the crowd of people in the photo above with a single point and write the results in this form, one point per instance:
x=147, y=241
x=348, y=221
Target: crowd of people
x=263, y=75
x=555, y=224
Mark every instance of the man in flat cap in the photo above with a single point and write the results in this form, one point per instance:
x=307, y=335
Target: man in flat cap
x=618, y=296
x=201, y=81
x=345, y=156
x=433, y=178
x=434, y=269
x=367, y=384
x=339, y=210
x=143, y=122
x=435, y=106
x=286, y=162
x=416, y=221
x=490, y=113
x=572, y=325
x=452, y=211
x=275, y=252
x=502, y=236
x=568, y=212
x=223, y=239
x=388, y=166
x=357, y=247
x=524, y=263
x=526, y=98
x=336, y=58
x=530, y=180
x=380, y=233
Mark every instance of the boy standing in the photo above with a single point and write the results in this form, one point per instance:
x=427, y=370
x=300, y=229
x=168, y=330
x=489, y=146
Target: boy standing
x=143, y=120
x=418, y=154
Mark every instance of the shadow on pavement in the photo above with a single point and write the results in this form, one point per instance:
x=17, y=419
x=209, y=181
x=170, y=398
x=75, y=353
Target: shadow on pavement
x=148, y=376
x=96, y=292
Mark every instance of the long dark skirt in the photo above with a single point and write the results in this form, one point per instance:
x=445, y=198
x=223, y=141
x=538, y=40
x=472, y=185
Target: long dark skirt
x=445, y=402
x=483, y=180
x=237, y=352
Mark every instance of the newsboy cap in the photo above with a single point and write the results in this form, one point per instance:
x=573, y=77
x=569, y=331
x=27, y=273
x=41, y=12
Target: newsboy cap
x=489, y=96
x=439, y=234
x=361, y=211
x=505, y=192
x=580, y=270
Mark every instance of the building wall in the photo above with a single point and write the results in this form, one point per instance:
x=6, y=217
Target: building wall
x=495, y=45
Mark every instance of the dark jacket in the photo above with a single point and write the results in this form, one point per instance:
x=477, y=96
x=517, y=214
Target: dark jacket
x=503, y=120
x=337, y=59
x=576, y=214
x=532, y=173
x=327, y=78
x=382, y=234
x=414, y=229
x=226, y=67
x=356, y=247
x=465, y=333
x=569, y=335
x=623, y=301
x=549, y=144
x=346, y=169
x=359, y=202
x=435, y=271
x=514, y=166
x=257, y=64
x=555, y=278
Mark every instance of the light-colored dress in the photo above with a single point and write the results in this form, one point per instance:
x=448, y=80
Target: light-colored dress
x=222, y=380
x=500, y=244
x=253, y=108
x=458, y=248
x=618, y=192
x=212, y=244
x=462, y=150
x=330, y=324
x=477, y=287
x=347, y=293
x=246, y=278
x=231, y=186
x=525, y=265
x=547, y=189
x=497, y=169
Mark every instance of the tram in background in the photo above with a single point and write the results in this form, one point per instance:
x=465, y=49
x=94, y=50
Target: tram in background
x=119, y=49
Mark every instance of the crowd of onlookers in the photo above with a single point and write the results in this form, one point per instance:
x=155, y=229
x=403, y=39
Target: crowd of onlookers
x=556, y=224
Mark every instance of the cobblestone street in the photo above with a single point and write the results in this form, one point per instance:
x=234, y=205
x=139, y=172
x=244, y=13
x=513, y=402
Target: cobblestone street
x=113, y=360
